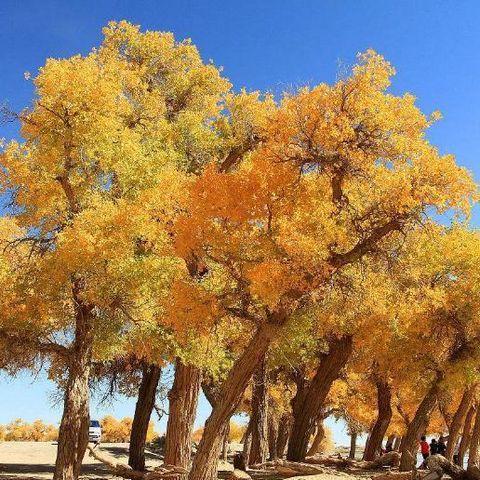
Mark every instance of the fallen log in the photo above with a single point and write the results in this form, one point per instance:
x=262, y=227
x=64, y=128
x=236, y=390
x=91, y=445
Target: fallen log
x=390, y=459
x=331, y=461
x=440, y=465
x=395, y=476
x=125, y=471
x=287, y=468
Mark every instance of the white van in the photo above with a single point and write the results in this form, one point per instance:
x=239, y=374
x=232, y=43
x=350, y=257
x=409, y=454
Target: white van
x=95, y=431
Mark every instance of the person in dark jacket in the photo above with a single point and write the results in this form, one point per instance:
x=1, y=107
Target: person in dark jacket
x=433, y=447
x=441, y=446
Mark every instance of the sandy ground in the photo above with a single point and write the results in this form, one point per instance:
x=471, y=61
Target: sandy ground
x=36, y=460
x=25, y=460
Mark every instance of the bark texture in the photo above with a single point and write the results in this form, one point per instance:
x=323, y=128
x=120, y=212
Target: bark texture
x=272, y=434
x=417, y=427
x=307, y=407
x=319, y=436
x=353, y=445
x=466, y=435
x=458, y=420
x=284, y=428
x=205, y=462
x=73, y=432
x=141, y=418
x=473, y=456
x=183, y=401
x=384, y=405
x=259, y=446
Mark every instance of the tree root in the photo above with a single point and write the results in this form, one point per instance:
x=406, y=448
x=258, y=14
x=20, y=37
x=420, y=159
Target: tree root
x=125, y=471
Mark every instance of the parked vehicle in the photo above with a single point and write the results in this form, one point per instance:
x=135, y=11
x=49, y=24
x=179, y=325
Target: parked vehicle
x=94, y=431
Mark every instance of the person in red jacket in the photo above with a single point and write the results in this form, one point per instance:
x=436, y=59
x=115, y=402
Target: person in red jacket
x=424, y=449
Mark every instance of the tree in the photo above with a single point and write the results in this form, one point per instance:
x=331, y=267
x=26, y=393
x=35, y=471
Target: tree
x=104, y=133
x=323, y=147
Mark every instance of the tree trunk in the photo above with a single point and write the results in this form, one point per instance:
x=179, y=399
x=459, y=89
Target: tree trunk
x=319, y=436
x=205, y=462
x=384, y=399
x=259, y=447
x=183, y=401
x=353, y=445
x=141, y=419
x=247, y=442
x=283, y=434
x=466, y=435
x=417, y=427
x=473, y=456
x=457, y=421
x=225, y=444
x=272, y=434
x=305, y=412
x=397, y=443
x=73, y=432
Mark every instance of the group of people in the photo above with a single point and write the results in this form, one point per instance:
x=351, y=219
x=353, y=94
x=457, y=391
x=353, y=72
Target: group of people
x=436, y=447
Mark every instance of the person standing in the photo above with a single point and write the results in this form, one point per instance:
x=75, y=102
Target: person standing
x=441, y=446
x=424, y=450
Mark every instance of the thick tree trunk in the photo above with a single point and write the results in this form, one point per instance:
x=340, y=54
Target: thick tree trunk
x=353, y=445
x=319, y=436
x=457, y=421
x=384, y=402
x=272, y=434
x=473, y=456
x=259, y=447
x=206, y=459
x=143, y=412
x=466, y=435
x=417, y=427
x=283, y=433
x=183, y=401
x=306, y=411
x=73, y=432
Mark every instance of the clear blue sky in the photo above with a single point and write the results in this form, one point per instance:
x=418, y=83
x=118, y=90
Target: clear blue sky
x=267, y=45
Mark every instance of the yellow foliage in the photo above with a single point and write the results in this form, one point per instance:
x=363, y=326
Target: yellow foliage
x=21, y=431
x=115, y=431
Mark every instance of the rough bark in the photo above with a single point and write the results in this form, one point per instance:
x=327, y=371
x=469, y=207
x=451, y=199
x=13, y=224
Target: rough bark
x=307, y=408
x=247, y=441
x=384, y=405
x=353, y=445
x=466, y=435
x=259, y=447
x=225, y=445
x=73, y=432
x=141, y=418
x=205, y=462
x=319, y=436
x=417, y=426
x=283, y=433
x=183, y=401
x=457, y=421
x=272, y=434
x=473, y=456
x=441, y=466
